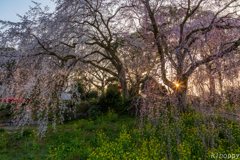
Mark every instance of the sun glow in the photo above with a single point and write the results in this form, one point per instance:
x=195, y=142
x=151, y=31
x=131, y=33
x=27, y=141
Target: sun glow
x=178, y=85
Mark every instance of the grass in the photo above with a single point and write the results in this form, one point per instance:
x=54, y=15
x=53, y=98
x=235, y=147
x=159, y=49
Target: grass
x=192, y=136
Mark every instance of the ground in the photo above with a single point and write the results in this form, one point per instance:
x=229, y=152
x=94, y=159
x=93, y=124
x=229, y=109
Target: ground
x=112, y=137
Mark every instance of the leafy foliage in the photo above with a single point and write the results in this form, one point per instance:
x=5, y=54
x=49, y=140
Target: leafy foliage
x=83, y=107
x=27, y=133
x=81, y=88
x=112, y=99
x=94, y=112
x=112, y=116
x=91, y=94
x=192, y=136
x=2, y=130
x=7, y=110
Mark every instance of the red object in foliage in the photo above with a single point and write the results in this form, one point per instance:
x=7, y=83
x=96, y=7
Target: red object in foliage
x=119, y=87
x=12, y=99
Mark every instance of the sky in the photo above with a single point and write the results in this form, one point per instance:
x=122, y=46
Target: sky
x=10, y=8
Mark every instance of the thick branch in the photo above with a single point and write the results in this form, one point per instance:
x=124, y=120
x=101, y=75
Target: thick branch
x=102, y=68
x=188, y=15
x=160, y=49
x=66, y=58
x=210, y=58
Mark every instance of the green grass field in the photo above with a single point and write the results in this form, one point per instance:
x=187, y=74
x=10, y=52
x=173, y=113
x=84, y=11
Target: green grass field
x=192, y=136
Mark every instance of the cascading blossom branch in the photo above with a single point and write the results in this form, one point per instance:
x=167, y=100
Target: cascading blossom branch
x=33, y=72
x=50, y=46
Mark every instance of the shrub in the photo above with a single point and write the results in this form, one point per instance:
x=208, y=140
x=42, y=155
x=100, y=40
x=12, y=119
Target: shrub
x=94, y=112
x=102, y=102
x=2, y=130
x=92, y=94
x=3, y=142
x=112, y=116
x=81, y=116
x=83, y=107
x=80, y=88
x=93, y=102
x=7, y=110
x=50, y=116
x=112, y=99
x=123, y=106
x=68, y=114
x=26, y=133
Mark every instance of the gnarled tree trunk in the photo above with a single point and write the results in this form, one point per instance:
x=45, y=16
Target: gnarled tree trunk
x=123, y=81
x=181, y=97
x=211, y=85
x=221, y=85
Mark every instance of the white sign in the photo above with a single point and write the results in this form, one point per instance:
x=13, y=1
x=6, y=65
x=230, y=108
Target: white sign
x=65, y=96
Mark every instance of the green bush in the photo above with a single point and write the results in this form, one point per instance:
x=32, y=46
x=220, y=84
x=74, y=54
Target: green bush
x=80, y=88
x=112, y=116
x=93, y=102
x=83, y=107
x=26, y=133
x=68, y=114
x=7, y=110
x=94, y=112
x=2, y=130
x=92, y=94
x=112, y=99
x=123, y=107
x=50, y=116
x=102, y=103
x=81, y=116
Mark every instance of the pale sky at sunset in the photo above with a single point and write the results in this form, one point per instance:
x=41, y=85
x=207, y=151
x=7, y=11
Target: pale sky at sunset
x=9, y=8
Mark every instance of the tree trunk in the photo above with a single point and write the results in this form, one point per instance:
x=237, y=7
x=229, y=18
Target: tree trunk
x=134, y=91
x=212, y=90
x=212, y=85
x=181, y=97
x=221, y=85
x=122, y=79
x=102, y=85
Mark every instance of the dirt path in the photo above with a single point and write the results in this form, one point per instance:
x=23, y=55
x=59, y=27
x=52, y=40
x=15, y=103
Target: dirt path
x=232, y=115
x=14, y=129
